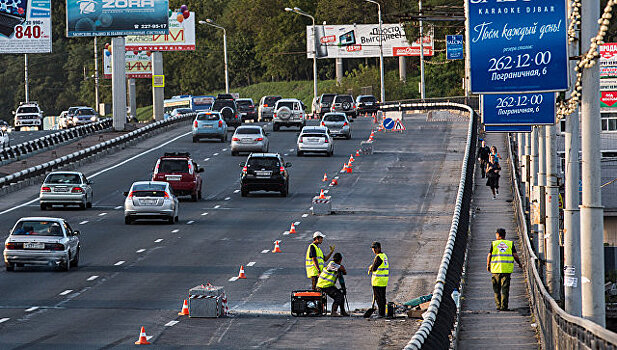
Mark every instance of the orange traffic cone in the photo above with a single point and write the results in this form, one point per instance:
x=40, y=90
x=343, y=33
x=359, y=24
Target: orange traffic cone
x=322, y=195
x=325, y=177
x=277, y=249
x=372, y=133
x=241, y=275
x=292, y=229
x=349, y=171
x=351, y=159
x=185, y=309
x=143, y=340
x=334, y=182
x=344, y=170
x=357, y=153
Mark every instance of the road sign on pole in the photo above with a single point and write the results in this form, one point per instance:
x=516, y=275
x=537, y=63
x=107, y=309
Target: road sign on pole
x=388, y=123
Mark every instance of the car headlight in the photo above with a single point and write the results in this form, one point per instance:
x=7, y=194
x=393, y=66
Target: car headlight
x=93, y=118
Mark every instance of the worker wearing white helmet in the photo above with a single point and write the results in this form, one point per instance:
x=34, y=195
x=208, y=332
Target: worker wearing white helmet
x=315, y=259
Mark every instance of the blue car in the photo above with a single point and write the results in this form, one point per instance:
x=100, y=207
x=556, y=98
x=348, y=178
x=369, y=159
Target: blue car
x=210, y=125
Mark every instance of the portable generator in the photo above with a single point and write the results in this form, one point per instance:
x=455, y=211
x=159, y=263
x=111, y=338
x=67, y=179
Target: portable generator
x=308, y=303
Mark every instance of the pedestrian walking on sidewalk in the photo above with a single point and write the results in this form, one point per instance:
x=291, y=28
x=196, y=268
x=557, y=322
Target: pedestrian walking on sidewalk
x=380, y=272
x=492, y=174
x=495, y=153
x=315, y=259
x=483, y=155
x=500, y=262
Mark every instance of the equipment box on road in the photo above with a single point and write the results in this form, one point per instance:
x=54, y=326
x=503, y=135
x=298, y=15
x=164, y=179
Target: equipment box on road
x=206, y=301
x=308, y=303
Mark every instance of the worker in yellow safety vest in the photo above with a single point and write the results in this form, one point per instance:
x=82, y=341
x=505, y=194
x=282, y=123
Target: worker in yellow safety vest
x=379, y=272
x=315, y=259
x=500, y=262
x=327, y=283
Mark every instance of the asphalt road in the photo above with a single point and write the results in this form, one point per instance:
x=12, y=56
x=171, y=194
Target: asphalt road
x=17, y=137
x=138, y=275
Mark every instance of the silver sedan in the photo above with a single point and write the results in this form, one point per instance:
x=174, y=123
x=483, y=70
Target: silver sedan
x=150, y=200
x=315, y=139
x=66, y=188
x=338, y=124
x=249, y=139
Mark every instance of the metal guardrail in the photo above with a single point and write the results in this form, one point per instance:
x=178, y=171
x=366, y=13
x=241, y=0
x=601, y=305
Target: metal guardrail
x=16, y=151
x=471, y=101
x=61, y=161
x=436, y=329
x=558, y=329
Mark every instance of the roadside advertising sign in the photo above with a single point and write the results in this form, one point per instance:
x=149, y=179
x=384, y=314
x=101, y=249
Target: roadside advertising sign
x=116, y=17
x=25, y=26
x=181, y=37
x=519, y=109
x=518, y=46
x=138, y=64
x=158, y=81
x=608, y=101
x=454, y=47
x=608, y=71
x=507, y=128
x=362, y=40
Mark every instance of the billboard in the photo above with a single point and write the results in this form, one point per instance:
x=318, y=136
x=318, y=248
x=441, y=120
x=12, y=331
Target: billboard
x=138, y=64
x=116, y=17
x=454, y=47
x=25, y=26
x=608, y=101
x=362, y=40
x=181, y=37
x=519, y=109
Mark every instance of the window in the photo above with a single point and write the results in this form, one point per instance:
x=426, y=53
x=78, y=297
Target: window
x=61, y=179
x=40, y=228
x=248, y=131
x=562, y=125
x=173, y=166
x=609, y=121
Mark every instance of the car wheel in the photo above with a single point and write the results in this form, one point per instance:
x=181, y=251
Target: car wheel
x=171, y=220
x=348, y=137
x=127, y=220
x=244, y=193
x=176, y=219
x=89, y=203
x=199, y=195
x=223, y=137
x=299, y=153
x=82, y=206
x=194, y=197
x=234, y=153
x=10, y=267
x=275, y=127
x=285, y=191
x=329, y=153
x=76, y=259
x=43, y=206
x=66, y=266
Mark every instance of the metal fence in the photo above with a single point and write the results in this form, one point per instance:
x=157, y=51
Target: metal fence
x=557, y=328
x=471, y=101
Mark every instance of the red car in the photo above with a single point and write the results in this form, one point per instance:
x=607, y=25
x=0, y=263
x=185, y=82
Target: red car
x=182, y=173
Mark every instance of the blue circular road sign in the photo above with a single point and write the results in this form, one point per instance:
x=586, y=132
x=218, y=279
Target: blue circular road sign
x=388, y=123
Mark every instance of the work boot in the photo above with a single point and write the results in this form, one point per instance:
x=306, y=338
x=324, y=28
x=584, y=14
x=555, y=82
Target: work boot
x=334, y=312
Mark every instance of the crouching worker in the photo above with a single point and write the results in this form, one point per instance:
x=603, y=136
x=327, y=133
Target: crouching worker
x=327, y=281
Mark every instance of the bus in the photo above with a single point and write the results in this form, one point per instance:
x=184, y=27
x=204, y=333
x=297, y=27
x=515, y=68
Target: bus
x=195, y=103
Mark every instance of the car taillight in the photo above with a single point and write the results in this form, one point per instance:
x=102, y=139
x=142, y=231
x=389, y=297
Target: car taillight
x=325, y=140
x=245, y=170
x=353, y=106
x=235, y=139
x=345, y=124
x=220, y=123
x=323, y=124
x=56, y=246
x=274, y=115
x=196, y=124
x=251, y=106
x=131, y=194
x=77, y=190
x=265, y=105
x=333, y=108
x=236, y=116
x=259, y=139
x=300, y=140
x=45, y=189
x=166, y=195
x=11, y=245
x=282, y=169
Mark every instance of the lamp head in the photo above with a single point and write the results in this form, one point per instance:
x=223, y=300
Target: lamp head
x=208, y=20
x=202, y=22
x=288, y=9
x=297, y=9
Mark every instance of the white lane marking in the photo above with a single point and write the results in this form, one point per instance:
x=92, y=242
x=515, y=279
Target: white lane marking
x=233, y=279
x=119, y=263
x=311, y=208
x=304, y=215
x=224, y=149
x=140, y=251
x=102, y=214
x=285, y=154
x=326, y=191
x=206, y=159
x=204, y=214
x=83, y=222
x=118, y=207
x=216, y=154
x=265, y=251
x=236, y=191
x=227, y=198
x=291, y=150
x=104, y=170
x=336, y=177
x=286, y=232
x=158, y=240
x=66, y=292
x=32, y=309
x=148, y=337
x=267, y=274
x=92, y=278
x=252, y=263
x=171, y=323
x=297, y=223
x=217, y=206
x=2, y=320
x=190, y=222
x=175, y=231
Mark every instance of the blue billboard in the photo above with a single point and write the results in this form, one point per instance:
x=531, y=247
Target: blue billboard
x=454, y=47
x=518, y=46
x=116, y=17
x=519, y=109
x=507, y=128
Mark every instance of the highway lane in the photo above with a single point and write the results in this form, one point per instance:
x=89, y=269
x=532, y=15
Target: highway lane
x=107, y=241
x=17, y=137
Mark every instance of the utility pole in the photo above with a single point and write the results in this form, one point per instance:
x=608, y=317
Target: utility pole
x=118, y=82
x=381, y=68
x=96, y=76
x=541, y=200
x=533, y=189
x=553, y=261
x=26, y=76
x=592, y=212
x=422, y=88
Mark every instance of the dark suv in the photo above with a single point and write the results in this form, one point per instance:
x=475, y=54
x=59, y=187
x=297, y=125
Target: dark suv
x=247, y=109
x=344, y=104
x=367, y=104
x=264, y=171
x=325, y=102
x=182, y=173
x=229, y=110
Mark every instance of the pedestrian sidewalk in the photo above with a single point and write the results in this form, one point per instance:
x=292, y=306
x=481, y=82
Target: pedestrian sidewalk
x=481, y=325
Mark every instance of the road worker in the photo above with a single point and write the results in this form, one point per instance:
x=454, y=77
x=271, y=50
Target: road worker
x=500, y=262
x=315, y=258
x=327, y=283
x=379, y=272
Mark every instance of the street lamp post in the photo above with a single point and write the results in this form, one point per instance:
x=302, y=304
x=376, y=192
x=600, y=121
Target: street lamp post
x=297, y=10
x=210, y=22
x=381, y=71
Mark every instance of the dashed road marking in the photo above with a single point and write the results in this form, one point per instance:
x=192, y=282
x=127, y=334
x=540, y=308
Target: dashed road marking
x=206, y=159
x=286, y=232
x=34, y=308
x=204, y=214
x=217, y=206
x=118, y=207
x=265, y=251
x=175, y=231
x=171, y=323
x=227, y=198
x=102, y=214
x=83, y=222
x=92, y=278
x=233, y=279
x=216, y=154
x=66, y=292
x=304, y=215
x=252, y=263
x=119, y=263
x=326, y=191
x=291, y=150
x=140, y=251
x=190, y=222
x=148, y=337
x=158, y=240
x=224, y=149
x=285, y=154
x=236, y=191
x=2, y=320
x=297, y=223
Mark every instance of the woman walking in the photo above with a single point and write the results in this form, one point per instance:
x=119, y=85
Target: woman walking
x=495, y=153
x=492, y=174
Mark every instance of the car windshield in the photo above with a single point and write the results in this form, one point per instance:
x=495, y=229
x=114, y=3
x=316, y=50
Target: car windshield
x=160, y=194
x=208, y=116
x=174, y=166
x=220, y=104
x=368, y=99
x=149, y=187
x=248, y=131
x=288, y=104
x=85, y=111
x=344, y=98
x=271, y=100
x=72, y=109
x=63, y=179
x=334, y=118
x=314, y=135
x=263, y=162
x=327, y=98
x=38, y=228
x=27, y=110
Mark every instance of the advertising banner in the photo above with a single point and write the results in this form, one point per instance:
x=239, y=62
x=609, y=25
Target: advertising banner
x=116, y=17
x=518, y=46
x=25, y=26
x=519, y=109
x=608, y=84
x=608, y=101
x=362, y=40
x=138, y=64
x=507, y=128
x=454, y=47
x=181, y=37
